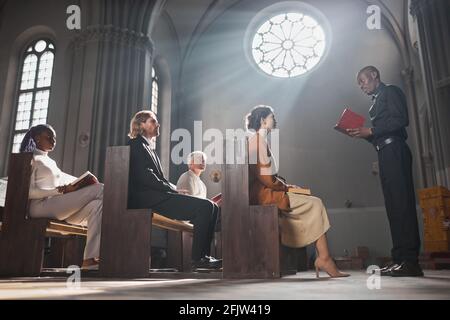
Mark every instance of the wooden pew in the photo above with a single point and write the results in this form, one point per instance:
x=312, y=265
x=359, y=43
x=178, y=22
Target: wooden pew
x=21, y=237
x=251, y=245
x=126, y=233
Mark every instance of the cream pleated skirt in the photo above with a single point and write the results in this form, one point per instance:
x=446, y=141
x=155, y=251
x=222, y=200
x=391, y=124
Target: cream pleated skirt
x=305, y=222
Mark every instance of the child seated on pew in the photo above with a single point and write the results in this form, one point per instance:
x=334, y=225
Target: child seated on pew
x=191, y=182
x=52, y=196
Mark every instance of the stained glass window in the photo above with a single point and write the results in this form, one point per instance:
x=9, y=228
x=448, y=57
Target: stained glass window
x=155, y=100
x=34, y=88
x=155, y=91
x=288, y=44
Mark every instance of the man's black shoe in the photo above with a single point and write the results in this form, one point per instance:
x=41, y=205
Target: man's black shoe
x=386, y=271
x=207, y=263
x=407, y=269
x=212, y=259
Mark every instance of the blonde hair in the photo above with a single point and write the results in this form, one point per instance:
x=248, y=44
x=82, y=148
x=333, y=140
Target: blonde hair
x=195, y=157
x=135, y=123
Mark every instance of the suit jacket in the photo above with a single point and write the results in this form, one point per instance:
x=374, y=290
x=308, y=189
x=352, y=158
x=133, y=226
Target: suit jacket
x=147, y=184
x=265, y=188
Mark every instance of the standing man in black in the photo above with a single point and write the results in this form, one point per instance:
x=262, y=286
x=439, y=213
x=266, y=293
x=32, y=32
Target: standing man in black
x=389, y=117
x=149, y=188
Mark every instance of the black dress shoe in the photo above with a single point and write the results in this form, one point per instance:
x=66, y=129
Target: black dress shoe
x=407, y=269
x=386, y=271
x=207, y=263
x=212, y=259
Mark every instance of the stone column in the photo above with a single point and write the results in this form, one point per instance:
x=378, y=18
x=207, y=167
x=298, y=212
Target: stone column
x=111, y=78
x=433, y=21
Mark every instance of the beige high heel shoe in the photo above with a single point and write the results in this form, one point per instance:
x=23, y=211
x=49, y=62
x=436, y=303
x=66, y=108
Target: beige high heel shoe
x=329, y=267
x=90, y=264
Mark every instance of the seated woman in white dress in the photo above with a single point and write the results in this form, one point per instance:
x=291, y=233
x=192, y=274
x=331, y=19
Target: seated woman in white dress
x=53, y=197
x=303, y=219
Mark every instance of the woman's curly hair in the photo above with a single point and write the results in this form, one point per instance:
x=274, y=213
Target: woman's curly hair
x=253, y=119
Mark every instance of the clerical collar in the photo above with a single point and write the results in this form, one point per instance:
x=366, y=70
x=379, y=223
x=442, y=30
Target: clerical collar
x=39, y=152
x=378, y=90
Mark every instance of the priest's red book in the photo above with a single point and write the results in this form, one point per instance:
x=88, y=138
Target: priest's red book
x=349, y=120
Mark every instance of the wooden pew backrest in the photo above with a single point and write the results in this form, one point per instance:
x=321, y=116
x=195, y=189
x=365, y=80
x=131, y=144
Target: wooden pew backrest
x=22, y=238
x=250, y=238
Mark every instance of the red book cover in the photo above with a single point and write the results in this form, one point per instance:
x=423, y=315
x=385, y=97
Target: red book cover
x=217, y=199
x=349, y=120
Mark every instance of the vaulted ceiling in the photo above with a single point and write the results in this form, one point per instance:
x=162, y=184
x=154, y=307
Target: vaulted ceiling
x=190, y=18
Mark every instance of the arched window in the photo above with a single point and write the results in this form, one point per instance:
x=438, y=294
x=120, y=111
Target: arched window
x=287, y=39
x=288, y=44
x=34, y=88
x=155, y=99
x=155, y=91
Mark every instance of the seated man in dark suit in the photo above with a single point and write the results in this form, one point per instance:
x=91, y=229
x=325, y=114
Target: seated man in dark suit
x=150, y=189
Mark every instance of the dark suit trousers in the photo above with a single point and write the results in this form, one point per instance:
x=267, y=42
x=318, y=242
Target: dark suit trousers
x=201, y=212
x=395, y=163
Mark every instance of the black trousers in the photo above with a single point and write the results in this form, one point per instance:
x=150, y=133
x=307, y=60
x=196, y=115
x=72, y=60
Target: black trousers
x=201, y=212
x=395, y=162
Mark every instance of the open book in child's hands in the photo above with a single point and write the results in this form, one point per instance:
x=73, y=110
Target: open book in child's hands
x=299, y=190
x=217, y=199
x=86, y=179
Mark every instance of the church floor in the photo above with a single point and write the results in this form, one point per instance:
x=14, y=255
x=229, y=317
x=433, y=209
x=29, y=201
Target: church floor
x=302, y=286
